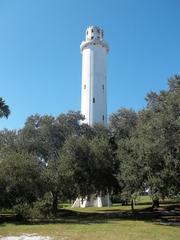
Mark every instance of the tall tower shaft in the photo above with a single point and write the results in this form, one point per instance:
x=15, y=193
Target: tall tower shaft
x=94, y=79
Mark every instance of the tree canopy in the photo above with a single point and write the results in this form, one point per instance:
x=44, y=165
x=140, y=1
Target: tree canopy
x=58, y=159
x=4, y=109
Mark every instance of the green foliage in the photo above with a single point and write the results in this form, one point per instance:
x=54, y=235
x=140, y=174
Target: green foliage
x=161, y=137
x=91, y=163
x=149, y=149
x=4, y=109
x=21, y=177
x=42, y=208
x=52, y=159
x=8, y=141
x=23, y=211
x=42, y=136
x=77, y=155
x=122, y=123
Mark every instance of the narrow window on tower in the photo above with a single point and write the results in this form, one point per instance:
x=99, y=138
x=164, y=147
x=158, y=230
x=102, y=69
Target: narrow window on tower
x=92, y=30
x=84, y=86
x=92, y=37
x=93, y=100
x=103, y=86
x=103, y=118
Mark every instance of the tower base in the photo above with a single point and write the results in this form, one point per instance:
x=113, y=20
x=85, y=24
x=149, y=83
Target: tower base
x=92, y=201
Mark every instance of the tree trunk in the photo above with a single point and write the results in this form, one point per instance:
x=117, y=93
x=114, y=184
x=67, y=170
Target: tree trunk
x=132, y=204
x=55, y=203
x=155, y=203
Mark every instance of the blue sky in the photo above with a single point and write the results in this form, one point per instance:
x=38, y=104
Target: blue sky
x=40, y=61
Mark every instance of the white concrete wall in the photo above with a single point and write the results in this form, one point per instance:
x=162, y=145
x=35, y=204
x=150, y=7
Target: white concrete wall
x=94, y=86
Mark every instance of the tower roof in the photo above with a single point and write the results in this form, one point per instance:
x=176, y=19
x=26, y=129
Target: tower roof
x=94, y=35
x=94, y=32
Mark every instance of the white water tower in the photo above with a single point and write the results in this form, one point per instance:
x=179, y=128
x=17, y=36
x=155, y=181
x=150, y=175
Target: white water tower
x=94, y=95
x=94, y=87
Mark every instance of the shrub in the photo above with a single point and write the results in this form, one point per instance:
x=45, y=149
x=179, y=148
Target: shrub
x=23, y=211
x=38, y=210
x=42, y=208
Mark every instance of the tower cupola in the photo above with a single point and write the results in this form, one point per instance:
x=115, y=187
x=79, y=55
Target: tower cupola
x=94, y=32
x=94, y=36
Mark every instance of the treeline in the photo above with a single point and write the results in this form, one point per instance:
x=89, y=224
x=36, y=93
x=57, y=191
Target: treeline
x=52, y=160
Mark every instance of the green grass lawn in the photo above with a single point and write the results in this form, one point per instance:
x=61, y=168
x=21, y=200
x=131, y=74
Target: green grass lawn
x=110, y=230
x=94, y=224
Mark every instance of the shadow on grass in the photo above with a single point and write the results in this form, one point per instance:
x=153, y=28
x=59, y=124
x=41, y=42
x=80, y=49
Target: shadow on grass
x=169, y=215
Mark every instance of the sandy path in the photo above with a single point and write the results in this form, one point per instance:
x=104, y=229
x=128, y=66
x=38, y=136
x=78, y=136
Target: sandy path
x=25, y=237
